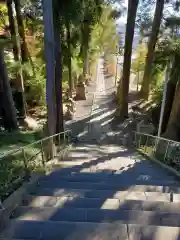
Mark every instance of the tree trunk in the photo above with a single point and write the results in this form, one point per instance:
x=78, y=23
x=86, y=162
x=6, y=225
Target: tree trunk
x=13, y=30
x=86, y=62
x=8, y=110
x=171, y=115
x=50, y=68
x=173, y=127
x=58, y=71
x=24, y=48
x=151, y=48
x=85, y=45
x=171, y=89
x=19, y=84
x=122, y=110
x=71, y=85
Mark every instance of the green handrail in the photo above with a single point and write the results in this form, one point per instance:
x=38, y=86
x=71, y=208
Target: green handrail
x=163, y=149
x=16, y=165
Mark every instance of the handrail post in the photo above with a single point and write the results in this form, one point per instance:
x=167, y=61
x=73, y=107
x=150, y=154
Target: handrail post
x=42, y=154
x=68, y=136
x=155, y=145
x=27, y=174
x=166, y=151
x=139, y=141
x=64, y=137
x=1, y=205
x=146, y=144
x=51, y=139
x=59, y=139
x=134, y=139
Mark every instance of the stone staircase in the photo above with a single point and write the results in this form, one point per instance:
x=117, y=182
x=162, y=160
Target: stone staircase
x=101, y=192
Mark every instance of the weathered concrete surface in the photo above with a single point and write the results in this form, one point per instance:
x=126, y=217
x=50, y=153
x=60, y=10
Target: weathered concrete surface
x=102, y=191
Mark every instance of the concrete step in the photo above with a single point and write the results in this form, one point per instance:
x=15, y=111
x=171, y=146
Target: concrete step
x=70, y=202
x=136, y=194
x=97, y=215
x=47, y=230
x=99, y=177
x=148, y=186
x=126, y=203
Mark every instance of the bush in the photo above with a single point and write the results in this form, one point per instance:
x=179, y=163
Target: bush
x=35, y=82
x=157, y=84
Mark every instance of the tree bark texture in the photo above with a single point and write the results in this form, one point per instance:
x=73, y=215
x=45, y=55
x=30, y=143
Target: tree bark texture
x=58, y=71
x=173, y=127
x=24, y=48
x=71, y=84
x=19, y=82
x=8, y=110
x=122, y=110
x=151, y=48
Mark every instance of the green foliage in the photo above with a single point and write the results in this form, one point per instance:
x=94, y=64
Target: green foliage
x=101, y=36
x=35, y=80
x=104, y=37
x=144, y=17
x=10, y=141
x=138, y=63
x=3, y=15
x=12, y=66
x=157, y=93
x=166, y=50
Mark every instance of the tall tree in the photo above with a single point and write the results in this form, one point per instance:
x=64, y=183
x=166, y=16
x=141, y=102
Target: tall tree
x=58, y=67
x=19, y=83
x=71, y=14
x=13, y=30
x=47, y=6
x=144, y=18
x=69, y=56
x=91, y=13
x=151, y=48
x=7, y=108
x=122, y=110
x=173, y=126
x=24, y=49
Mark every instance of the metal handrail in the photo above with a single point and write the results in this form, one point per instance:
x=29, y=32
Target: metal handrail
x=161, y=138
x=19, y=164
x=10, y=152
x=46, y=138
x=163, y=149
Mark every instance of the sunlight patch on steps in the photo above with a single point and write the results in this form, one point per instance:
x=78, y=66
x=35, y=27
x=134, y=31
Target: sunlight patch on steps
x=106, y=114
x=112, y=148
x=65, y=200
x=106, y=122
x=40, y=201
x=82, y=133
x=111, y=204
x=96, y=106
x=99, y=231
x=96, y=110
x=38, y=214
x=74, y=193
x=129, y=195
x=49, y=201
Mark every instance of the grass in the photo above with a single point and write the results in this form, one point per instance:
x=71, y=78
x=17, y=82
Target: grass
x=172, y=159
x=15, y=165
x=11, y=141
x=12, y=166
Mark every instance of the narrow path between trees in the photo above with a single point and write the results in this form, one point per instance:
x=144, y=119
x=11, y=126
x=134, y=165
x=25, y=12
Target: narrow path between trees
x=102, y=191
